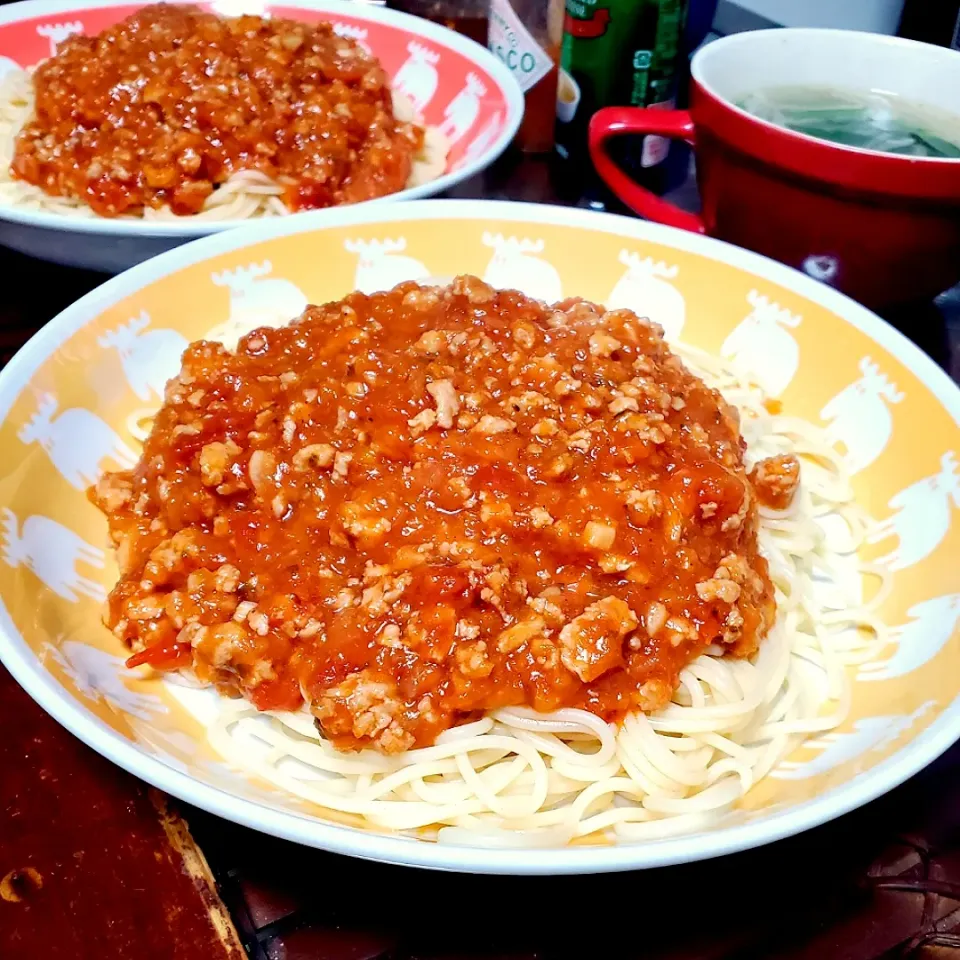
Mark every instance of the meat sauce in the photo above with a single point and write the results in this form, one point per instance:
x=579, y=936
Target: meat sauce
x=168, y=104
x=408, y=508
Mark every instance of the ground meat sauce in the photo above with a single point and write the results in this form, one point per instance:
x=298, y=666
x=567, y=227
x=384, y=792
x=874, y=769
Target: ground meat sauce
x=411, y=507
x=161, y=108
x=776, y=480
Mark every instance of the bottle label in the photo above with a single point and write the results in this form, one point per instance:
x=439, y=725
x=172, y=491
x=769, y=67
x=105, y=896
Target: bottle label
x=642, y=59
x=656, y=149
x=512, y=42
x=583, y=20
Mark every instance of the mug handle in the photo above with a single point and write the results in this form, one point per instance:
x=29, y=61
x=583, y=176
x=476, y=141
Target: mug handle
x=616, y=122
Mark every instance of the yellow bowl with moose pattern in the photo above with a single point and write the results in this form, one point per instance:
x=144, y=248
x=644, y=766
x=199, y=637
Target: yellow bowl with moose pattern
x=70, y=401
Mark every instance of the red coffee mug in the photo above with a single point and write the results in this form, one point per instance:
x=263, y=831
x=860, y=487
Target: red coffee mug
x=883, y=228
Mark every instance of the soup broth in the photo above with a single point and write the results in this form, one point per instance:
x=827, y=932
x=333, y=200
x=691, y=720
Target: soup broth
x=871, y=120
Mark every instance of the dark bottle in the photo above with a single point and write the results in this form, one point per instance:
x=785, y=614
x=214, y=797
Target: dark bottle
x=620, y=52
x=933, y=21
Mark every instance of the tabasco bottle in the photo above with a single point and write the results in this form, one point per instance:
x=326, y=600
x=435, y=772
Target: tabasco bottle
x=526, y=35
x=619, y=52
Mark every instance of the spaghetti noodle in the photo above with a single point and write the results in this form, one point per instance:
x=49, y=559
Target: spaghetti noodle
x=49, y=182
x=518, y=777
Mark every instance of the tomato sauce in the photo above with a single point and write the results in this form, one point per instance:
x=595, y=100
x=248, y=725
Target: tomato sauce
x=162, y=108
x=409, y=508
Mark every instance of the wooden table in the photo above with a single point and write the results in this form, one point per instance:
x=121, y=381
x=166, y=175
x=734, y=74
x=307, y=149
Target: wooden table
x=94, y=864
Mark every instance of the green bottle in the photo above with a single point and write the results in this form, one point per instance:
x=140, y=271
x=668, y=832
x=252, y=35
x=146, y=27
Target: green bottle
x=616, y=53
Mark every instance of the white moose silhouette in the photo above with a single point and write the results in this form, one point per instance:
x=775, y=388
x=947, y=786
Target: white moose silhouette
x=379, y=267
x=77, y=441
x=256, y=300
x=52, y=553
x=350, y=31
x=461, y=113
x=919, y=641
x=417, y=77
x=761, y=346
x=868, y=735
x=101, y=676
x=148, y=359
x=488, y=133
x=644, y=290
x=56, y=33
x=513, y=267
x=859, y=419
x=922, y=516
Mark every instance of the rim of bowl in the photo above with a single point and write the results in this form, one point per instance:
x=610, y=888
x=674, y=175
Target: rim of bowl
x=880, y=39
x=484, y=58
x=27, y=669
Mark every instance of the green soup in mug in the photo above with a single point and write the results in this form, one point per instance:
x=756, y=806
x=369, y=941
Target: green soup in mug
x=870, y=120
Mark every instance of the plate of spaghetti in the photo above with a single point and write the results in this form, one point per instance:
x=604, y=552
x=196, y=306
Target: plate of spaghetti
x=128, y=128
x=412, y=533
